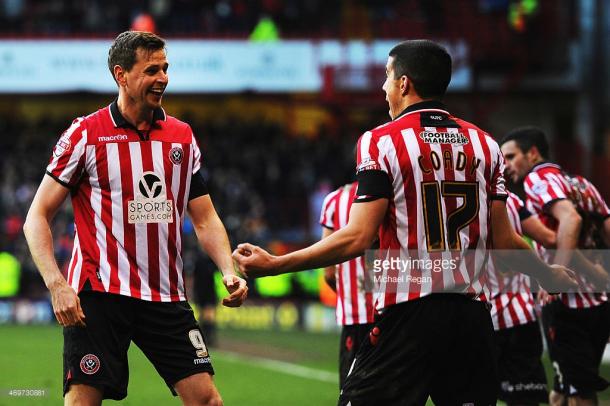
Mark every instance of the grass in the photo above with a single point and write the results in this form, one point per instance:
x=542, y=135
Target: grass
x=31, y=358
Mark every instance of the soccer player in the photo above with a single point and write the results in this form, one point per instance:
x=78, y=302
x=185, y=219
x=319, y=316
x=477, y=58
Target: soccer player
x=355, y=311
x=518, y=339
x=576, y=326
x=133, y=172
x=431, y=186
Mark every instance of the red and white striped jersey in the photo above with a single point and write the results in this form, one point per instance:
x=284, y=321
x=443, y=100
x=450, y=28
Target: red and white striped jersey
x=129, y=194
x=354, y=305
x=547, y=183
x=441, y=174
x=510, y=295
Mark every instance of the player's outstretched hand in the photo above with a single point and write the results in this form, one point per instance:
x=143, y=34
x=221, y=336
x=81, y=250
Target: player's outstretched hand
x=237, y=288
x=66, y=305
x=544, y=298
x=253, y=261
x=559, y=280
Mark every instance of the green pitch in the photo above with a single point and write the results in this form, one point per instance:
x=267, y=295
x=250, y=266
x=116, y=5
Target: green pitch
x=253, y=368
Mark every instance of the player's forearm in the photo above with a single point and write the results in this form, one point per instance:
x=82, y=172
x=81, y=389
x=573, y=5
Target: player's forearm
x=40, y=242
x=213, y=239
x=341, y=246
x=567, y=239
x=533, y=228
x=525, y=260
x=594, y=273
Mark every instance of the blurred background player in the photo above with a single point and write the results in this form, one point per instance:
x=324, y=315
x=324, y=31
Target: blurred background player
x=355, y=311
x=576, y=325
x=410, y=171
x=518, y=338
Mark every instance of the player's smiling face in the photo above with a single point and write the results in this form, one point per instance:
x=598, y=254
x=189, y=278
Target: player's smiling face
x=147, y=79
x=392, y=89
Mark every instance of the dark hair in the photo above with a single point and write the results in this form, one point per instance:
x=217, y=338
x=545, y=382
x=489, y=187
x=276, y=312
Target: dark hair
x=426, y=63
x=123, y=50
x=528, y=137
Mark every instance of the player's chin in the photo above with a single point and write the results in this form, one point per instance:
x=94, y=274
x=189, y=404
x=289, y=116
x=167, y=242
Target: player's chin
x=153, y=100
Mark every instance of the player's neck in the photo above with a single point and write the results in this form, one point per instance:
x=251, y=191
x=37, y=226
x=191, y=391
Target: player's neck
x=136, y=115
x=410, y=99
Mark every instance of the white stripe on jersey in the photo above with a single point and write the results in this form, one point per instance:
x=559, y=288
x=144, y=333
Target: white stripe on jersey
x=96, y=207
x=480, y=253
x=116, y=195
x=137, y=171
x=163, y=254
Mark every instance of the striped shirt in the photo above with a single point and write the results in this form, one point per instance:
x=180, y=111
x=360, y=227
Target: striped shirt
x=354, y=305
x=129, y=193
x=547, y=183
x=441, y=174
x=511, y=297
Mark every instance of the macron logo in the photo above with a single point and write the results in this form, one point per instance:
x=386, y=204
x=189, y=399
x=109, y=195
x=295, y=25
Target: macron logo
x=111, y=138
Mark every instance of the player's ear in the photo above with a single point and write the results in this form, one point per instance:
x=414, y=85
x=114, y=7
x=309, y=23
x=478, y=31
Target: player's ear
x=119, y=75
x=405, y=85
x=533, y=153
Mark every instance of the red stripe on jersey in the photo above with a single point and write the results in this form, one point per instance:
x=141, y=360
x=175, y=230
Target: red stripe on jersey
x=168, y=168
x=491, y=186
x=529, y=317
x=341, y=296
x=129, y=230
x=102, y=163
x=500, y=314
x=474, y=226
x=353, y=283
x=412, y=204
x=87, y=239
x=184, y=175
x=335, y=215
x=72, y=266
x=152, y=232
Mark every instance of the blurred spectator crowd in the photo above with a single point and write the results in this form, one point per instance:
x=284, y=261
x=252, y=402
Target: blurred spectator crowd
x=237, y=18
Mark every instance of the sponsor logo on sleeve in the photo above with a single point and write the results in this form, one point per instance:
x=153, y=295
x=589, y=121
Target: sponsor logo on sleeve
x=152, y=204
x=539, y=188
x=443, y=137
x=368, y=164
x=90, y=364
x=62, y=146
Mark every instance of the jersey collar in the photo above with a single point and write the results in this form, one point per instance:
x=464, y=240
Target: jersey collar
x=120, y=122
x=544, y=164
x=423, y=105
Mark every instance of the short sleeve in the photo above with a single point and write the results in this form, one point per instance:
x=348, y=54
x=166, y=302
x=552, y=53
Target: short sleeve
x=196, y=154
x=497, y=181
x=374, y=180
x=67, y=162
x=597, y=201
x=542, y=189
x=329, y=207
